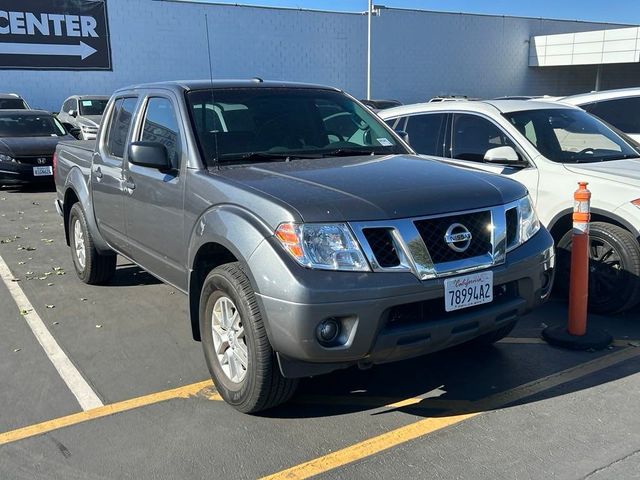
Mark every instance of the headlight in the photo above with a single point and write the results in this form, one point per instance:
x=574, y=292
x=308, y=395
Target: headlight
x=325, y=246
x=528, y=222
x=88, y=129
x=7, y=158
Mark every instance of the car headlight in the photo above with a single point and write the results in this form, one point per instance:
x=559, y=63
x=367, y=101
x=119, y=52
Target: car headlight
x=88, y=129
x=324, y=246
x=528, y=222
x=7, y=158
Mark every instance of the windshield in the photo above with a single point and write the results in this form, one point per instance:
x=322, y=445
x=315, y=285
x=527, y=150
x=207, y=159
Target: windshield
x=92, y=106
x=271, y=124
x=12, y=104
x=17, y=125
x=570, y=136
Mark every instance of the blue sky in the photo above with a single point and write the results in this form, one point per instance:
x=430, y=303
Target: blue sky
x=617, y=11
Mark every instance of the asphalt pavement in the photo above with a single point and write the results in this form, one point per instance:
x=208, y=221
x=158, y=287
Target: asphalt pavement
x=520, y=409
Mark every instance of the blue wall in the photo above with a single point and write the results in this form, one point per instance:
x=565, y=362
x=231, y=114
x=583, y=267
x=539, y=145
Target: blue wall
x=416, y=55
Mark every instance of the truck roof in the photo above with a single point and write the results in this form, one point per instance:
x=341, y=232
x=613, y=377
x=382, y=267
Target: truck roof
x=188, y=85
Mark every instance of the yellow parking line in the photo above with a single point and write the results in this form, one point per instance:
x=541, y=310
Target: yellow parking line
x=423, y=427
x=201, y=389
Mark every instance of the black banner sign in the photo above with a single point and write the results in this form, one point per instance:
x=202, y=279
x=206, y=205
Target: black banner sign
x=54, y=35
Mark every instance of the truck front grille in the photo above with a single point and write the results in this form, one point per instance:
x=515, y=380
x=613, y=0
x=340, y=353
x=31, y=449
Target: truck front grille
x=434, y=230
x=382, y=246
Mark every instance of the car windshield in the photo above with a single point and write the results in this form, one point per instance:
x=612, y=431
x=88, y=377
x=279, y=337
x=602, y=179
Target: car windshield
x=16, y=125
x=280, y=124
x=12, y=104
x=571, y=136
x=92, y=106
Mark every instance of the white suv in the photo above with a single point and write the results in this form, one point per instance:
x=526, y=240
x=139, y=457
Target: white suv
x=548, y=147
x=620, y=108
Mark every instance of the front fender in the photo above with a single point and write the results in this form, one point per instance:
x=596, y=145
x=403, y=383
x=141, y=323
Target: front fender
x=76, y=182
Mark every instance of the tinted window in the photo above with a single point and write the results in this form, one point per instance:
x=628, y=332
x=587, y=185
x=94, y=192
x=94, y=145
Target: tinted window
x=65, y=106
x=474, y=135
x=120, y=124
x=570, y=135
x=623, y=113
x=161, y=125
x=12, y=104
x=19, y=125
x=424, y=133
x=285, y=123
x=92, y=106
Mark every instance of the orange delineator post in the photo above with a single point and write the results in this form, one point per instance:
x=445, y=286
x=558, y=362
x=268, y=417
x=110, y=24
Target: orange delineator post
x=579, y=282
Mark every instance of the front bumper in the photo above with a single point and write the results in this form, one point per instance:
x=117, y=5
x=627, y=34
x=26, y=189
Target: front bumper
x=17, y=173
x=367, y=305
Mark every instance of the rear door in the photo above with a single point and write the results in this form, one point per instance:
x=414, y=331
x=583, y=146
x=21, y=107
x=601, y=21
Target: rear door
x=107, y=179
x=154, y=199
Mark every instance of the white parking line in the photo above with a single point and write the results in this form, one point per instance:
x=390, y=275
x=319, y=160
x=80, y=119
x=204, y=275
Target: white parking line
x=87, y=398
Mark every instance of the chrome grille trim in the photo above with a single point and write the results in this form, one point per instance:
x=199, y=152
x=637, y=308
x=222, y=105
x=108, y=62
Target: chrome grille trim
x=414, y=255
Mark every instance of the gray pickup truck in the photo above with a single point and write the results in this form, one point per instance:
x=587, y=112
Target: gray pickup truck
x=306, y=233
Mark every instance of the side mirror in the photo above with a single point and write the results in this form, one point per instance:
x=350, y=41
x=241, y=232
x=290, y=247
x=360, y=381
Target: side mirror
x=73, y=113
x=403, y=135
x=504, y=156
x=149, y=154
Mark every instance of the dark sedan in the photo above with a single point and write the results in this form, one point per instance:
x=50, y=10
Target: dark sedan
x=28, y=139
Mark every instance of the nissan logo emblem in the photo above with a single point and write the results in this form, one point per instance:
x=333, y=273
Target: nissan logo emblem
x=458, y=237
x=41, y=161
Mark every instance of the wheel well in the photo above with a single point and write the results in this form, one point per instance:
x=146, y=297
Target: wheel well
x=565, y=223
x=70, y=198
x=209, y=256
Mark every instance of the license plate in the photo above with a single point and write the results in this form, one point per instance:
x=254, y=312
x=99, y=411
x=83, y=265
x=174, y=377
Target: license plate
x=467, y=291
x=42, y=171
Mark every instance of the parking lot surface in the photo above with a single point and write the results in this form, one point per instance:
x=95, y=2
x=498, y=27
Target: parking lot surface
x=520, y=409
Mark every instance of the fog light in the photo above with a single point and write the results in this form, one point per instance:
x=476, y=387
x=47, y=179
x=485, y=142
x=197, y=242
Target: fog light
x=328, y=330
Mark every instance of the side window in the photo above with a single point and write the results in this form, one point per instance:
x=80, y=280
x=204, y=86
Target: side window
x=425, y=132
x=65, y=107
x=472, y=136
x=161, y=125
x=622, y=113
x=119, y=127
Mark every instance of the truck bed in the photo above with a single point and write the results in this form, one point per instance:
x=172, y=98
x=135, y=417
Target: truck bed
x=71, y=154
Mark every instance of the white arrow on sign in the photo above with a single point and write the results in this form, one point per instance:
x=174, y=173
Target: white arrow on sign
x=82, y=50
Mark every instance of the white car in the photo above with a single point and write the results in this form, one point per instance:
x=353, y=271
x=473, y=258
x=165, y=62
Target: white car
x=548, y=147
x=620, y=108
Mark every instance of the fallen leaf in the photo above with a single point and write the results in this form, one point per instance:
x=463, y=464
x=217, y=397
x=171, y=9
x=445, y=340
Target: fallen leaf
x=16, y=350
x=25, y=311
x=49, y=284
x=83, y=299
x=55, y=323
x=98, y=326
x=29, y=273
x=50, y=306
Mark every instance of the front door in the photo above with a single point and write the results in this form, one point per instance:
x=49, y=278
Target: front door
x=107, y=174
x=154, y=199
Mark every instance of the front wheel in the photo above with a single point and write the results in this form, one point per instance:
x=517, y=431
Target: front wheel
x=92, y=266
x=236, y=348
x=614, y=268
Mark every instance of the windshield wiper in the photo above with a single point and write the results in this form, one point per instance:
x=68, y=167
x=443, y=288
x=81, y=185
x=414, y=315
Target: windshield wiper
x=624, y=156
x=348, y=152
x=264, y=156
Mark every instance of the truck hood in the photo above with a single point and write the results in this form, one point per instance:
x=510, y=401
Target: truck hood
x=30, y=146
x=90, y=120
x=375, y=188
x=620, y=171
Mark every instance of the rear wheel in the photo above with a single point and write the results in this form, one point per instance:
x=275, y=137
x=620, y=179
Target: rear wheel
x=236, y=348
x=614, y=268
x=92, y=266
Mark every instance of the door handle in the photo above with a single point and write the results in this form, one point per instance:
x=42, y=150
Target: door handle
x=99, y=173
x=130, y=184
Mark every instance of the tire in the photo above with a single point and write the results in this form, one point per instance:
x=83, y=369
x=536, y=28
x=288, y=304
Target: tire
x=488, y=339
x=256, y=383
x=96, y=268
x=614, y=268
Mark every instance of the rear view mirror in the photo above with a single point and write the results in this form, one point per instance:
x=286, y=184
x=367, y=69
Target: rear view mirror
x=150, y=155
x=504, y=156
x=403, y=135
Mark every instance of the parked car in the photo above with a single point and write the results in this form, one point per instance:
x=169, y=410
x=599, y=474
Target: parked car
x=548, y=147
x=28, y=139
x=12, y=101
x=620, y=108
x=381, y=104
x=83, y=112
x=303, y=249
